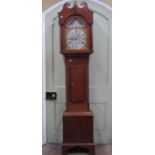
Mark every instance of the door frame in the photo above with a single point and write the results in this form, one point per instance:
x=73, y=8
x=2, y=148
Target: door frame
x=52, y=8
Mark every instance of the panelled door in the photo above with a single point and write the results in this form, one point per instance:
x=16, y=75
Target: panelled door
x=100, y=67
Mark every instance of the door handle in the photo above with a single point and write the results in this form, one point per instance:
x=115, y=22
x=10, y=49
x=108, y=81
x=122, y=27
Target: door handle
x=51, y=95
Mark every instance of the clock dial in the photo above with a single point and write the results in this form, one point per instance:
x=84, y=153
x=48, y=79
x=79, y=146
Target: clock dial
x=76, y=39
x=76, y=36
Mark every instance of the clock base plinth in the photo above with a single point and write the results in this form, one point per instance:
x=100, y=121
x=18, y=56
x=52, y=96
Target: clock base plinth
x=78, y=148
x=78, y=132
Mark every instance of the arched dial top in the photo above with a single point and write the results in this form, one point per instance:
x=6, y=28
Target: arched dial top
x=75, y=34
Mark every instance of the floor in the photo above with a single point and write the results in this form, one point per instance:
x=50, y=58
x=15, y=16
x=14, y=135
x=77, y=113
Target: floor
x=56, y=150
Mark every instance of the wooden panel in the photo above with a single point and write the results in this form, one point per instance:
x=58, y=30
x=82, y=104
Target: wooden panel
x=77, y=83
x=78, y=128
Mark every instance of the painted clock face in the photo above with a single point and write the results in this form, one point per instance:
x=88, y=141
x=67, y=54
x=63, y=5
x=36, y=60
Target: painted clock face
x=76, y=35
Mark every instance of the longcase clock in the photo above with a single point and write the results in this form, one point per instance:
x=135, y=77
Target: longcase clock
x=76, y=46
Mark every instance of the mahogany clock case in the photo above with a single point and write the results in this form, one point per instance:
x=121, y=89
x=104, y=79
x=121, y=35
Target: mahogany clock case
x=77, y=119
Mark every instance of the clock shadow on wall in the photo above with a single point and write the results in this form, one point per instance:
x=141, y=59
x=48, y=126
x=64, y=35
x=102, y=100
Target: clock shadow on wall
x=76, y=45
